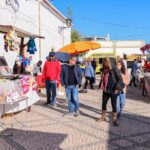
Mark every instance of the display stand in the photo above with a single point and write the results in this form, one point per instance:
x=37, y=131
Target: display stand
x=13, y=105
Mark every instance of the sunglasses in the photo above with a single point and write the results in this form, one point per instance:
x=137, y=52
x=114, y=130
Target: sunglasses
x=74, y=60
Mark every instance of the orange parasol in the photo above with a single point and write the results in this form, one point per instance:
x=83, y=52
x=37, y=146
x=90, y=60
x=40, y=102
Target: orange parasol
x=80, y=47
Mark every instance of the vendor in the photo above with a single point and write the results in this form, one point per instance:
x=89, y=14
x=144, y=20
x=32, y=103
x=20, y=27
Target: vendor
x=18, y=67
x=37, y=68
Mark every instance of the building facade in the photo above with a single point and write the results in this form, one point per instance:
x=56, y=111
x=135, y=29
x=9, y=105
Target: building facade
x=38, y=17
x=116, y=47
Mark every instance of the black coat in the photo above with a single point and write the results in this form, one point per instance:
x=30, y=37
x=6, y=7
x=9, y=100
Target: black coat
x=64, y=75
x=117, y=79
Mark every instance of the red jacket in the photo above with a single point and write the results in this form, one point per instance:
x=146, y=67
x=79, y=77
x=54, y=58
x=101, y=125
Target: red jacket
x=51, y=70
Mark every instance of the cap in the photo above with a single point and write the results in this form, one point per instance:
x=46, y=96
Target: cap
x=52, y=54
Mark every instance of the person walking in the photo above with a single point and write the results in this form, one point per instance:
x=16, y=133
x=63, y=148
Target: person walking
x=122, y=94
x=111, y=83
x=51, y=75
x=94, y=65
x=71, y=77
x=89, y=75
x=134, y=68
x=18, y=67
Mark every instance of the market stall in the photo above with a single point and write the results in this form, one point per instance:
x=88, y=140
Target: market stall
x=17, y=91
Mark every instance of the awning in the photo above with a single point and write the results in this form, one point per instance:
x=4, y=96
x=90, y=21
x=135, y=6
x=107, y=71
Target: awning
x=20, y=33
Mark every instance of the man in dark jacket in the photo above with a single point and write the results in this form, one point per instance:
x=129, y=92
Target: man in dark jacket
x=71, y=77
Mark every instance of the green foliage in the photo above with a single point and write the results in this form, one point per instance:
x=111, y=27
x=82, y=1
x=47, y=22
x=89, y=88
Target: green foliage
x=75, y=36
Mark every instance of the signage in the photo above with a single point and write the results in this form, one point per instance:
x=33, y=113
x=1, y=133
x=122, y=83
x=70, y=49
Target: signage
x=103, y=55
x=14, y=4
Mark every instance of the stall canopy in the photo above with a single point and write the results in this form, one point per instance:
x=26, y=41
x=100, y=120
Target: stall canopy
x=20, y=33
x=80, y=47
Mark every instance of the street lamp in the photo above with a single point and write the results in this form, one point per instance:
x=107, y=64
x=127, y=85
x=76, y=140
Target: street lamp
x=68, y=23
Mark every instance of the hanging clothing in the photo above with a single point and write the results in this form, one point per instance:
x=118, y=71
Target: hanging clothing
x=31, y=46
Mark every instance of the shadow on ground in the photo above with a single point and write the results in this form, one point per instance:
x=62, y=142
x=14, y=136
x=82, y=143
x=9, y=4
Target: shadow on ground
x=135, y=94
x=133, y=133
x=62, y=107
x=31, y=140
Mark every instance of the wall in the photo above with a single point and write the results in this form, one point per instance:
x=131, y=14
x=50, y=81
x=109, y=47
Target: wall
x=120, y=47
x=27, y=19
x=50, y=28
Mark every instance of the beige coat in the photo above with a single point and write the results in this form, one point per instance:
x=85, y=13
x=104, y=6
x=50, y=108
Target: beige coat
x=126, y=80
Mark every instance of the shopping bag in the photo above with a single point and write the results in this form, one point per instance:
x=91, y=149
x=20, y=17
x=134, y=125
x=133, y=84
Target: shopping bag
x=40, y=81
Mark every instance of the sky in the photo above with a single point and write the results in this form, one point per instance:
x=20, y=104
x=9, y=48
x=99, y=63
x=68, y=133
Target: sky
x=122, y=19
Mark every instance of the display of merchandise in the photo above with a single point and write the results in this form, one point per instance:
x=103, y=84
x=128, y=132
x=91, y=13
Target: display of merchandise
x=24, y=60
x=11, y=41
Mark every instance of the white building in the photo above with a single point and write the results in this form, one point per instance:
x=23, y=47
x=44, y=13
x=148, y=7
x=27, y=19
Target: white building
x=117, y=47
x=36, y=17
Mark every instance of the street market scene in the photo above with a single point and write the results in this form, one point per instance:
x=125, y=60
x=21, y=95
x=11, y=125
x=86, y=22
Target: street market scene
x=71, y=79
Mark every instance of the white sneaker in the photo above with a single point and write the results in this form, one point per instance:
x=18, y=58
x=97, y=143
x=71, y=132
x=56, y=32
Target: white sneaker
x=77, y=113
x=68, y=115
x=60, y=93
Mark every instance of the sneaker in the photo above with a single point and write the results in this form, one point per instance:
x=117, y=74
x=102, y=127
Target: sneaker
x=68, y=115
x=56, y=102
x=52, y=105
x=46, y=103
x=60, y=93
x=77, y=113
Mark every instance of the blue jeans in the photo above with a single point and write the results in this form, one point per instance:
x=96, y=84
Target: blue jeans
x=51, y=91
x=120, y=102
x=72, y=97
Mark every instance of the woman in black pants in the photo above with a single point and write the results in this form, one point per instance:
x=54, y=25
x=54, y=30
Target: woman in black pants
x=111, y=83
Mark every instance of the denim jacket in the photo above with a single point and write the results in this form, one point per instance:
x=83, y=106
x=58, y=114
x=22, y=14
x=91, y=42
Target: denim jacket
x=89, y=71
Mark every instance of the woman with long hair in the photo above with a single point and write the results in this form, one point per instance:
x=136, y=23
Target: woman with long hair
x=122, y=94
x=111, y=83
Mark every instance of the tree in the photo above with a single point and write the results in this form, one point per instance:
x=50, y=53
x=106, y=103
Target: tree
x=69, y=12
x=75, y=36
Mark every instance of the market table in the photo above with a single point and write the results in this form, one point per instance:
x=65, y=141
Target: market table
x=15, y=86
x=20, y=105
x=11, y=106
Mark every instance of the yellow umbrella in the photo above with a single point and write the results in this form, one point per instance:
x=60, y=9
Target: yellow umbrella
x=80, y=47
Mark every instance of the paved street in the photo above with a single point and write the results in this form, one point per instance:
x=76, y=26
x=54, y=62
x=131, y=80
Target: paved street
x=48, y=129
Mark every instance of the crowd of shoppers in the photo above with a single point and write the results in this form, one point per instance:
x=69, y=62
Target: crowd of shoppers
x=113, y=82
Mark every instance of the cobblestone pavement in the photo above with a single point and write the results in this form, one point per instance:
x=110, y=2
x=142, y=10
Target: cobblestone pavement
x=48, y=129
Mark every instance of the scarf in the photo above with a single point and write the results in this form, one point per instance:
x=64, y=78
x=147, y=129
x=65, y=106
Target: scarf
x=104, y=79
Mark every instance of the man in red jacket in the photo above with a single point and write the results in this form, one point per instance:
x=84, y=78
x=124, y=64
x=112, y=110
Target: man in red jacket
x=51, y=75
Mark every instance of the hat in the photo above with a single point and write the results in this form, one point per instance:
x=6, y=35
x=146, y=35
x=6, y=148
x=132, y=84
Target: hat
x=52, y=54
